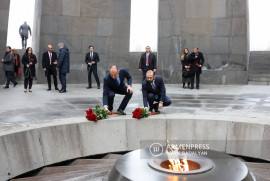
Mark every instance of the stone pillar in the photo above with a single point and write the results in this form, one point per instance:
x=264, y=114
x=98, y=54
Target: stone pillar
x=217, y=27
x=102, y=23
x=4, y=14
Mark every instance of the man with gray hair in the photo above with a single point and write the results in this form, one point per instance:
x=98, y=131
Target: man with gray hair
x=63, y=65
x=23, y=31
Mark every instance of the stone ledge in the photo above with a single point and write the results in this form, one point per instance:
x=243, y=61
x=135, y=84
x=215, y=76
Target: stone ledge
x=35, y=145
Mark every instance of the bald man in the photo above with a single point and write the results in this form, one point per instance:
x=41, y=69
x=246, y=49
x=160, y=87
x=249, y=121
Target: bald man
x=154, y=92
x=114, y=84
x=49, y=62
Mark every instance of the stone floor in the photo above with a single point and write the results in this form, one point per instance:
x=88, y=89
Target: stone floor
x=212, y=100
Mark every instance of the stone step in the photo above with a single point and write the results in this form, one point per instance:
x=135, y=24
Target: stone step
x=73, y=175
x=259, y=79
x=92, y=161
x=112, y=156
x=66, y=169
x=259, y=71
x=258, y=83
x=255, y=75
x=261, y=171
x=259, y=67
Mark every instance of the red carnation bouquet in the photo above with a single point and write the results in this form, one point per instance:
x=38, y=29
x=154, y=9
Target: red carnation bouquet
x=139, y=113
x=96, y=114
x=92, y=58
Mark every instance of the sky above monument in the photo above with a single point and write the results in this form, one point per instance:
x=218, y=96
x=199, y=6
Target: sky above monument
x=20, y=11
x=259, y=23
x=143, y=25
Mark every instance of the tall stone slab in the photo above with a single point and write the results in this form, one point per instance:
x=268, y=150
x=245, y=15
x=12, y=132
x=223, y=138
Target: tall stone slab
x=218, y=27
x=4, y=14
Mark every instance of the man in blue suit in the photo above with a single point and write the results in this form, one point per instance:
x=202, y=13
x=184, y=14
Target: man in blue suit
x=63, y=65
x=114, y=84
x=153, y=90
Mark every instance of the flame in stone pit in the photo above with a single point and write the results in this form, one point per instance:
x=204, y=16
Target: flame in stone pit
x=176, y=164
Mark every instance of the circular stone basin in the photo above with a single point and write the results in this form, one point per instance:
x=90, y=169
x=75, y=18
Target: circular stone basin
x=197, y=164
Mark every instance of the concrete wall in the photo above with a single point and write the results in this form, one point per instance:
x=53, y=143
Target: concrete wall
x=102, y=23
x=4, y=13
x=217, y=27
x=39, y=144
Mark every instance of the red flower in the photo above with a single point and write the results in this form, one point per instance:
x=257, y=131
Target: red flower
x=92, y=58
x=91, y=117
x=190, y=64
x=196, y=64
x=157, y=66
x=32, y=59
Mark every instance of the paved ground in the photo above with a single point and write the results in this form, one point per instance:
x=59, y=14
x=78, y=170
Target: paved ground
x=213, y=100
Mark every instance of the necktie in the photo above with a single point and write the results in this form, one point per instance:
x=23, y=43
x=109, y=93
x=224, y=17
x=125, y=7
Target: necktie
x=117, y=81
x=153, y=85
x=50, y=58
x=147, y=59
x=91, y=54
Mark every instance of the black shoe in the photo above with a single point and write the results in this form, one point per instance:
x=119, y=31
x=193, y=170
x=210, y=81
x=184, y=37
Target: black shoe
x=6, y=87
x=156, y=108
x=56, y=88
x=184, y=87
x=150, y=110
x=191, y=88
x=15, y=84
x=89, y=87
x=49, y=89
x=98, y=87
x=197, y=88
x=62, y=91
x=121, y=112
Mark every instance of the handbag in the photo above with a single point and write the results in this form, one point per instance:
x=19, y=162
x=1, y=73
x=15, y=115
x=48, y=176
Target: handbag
x=19, y=72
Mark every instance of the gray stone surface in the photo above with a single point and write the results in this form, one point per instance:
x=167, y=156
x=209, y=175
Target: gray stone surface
x=102, y=23
x=52, y=127
x=4, y=13
x=218, y=28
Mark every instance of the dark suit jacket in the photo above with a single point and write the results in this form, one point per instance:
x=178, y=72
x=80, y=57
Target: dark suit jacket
x=63, y=60
x=152, y=61
x=160, y=89
x=46, y=62
x=193, y=61
x=89, y=60
x=110, y=83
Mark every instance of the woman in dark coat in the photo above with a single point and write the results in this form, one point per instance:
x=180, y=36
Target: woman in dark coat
x=185, y=68
x=29, y=60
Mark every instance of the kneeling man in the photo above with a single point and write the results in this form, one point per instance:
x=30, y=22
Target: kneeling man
x=154, y=92
x=114, y=84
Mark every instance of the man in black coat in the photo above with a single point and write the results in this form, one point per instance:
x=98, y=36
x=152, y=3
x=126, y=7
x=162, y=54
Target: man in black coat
x=91, y=59
x=49, y=62
x=154, y=90
x=114, y=84
x=196, y=60
x=148, y=61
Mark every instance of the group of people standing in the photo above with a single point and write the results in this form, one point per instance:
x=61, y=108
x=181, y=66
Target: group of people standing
x=153, y=87
x=191, y=67
x=50, y=64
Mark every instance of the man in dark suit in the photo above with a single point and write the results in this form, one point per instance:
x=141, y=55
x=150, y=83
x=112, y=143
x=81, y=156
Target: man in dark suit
x=49, y=62
x=91, y=59
x=196, y=60
x=148, y=61
x=154, y=90
x=63, y=66
x=114, y=84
